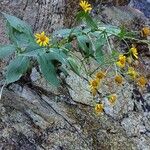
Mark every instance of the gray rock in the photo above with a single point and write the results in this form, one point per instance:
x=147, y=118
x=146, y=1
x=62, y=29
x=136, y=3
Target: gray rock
x=143, y=6
x=36, y=116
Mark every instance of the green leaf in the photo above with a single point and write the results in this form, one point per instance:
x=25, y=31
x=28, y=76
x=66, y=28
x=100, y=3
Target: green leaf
x=33, y=50
x=19, y=32
x=74, y=65
x=112, y=30
x=16, y=69
x=99, y=43
x=22, y=39
x=99, y=55
x=33, y=53
x=48, y=69
x=63, y=70
x=18, y=24
x=80, y=15
x=64, y=33
x=85, y=45
x=6, y=50
x=57, y=54
x=90, y=22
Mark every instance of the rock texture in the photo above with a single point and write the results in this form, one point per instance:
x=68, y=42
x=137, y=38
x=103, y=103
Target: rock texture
x=34, y=116
x=143, y=6
x=47, y=15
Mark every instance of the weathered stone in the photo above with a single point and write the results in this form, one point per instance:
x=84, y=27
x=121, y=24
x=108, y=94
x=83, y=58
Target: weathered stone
x=36, y=116
x=78, y=87
x=143, y=6
x=125, y=16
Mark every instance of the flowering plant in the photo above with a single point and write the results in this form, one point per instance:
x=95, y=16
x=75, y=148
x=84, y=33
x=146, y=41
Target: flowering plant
x=91, y=41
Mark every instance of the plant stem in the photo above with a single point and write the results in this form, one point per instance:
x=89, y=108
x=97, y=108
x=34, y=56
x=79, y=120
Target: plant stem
x=110, y=50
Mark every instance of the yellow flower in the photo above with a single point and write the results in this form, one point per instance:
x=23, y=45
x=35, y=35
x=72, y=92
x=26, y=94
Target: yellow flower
x=112, y=99
x=94, y=84
x=132, y=72
x=100, y=75
x=122, y=61
x=145, y=32
x=142, y=81
x=42, y=39
x=118, y=79
x=99, y=108
x=133, y=51
x=93, y=91
x=85, y=6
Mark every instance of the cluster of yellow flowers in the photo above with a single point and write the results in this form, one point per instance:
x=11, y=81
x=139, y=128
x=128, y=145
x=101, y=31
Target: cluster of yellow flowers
x=94, y=86
x=133, y=54
x=134, y=75
x=124, y=62
x=99, y=107
x=95, y=83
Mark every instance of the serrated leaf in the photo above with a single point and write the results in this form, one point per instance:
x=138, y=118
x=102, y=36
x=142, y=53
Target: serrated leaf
x=48, y=69
x=16, y=69
x=6, y=50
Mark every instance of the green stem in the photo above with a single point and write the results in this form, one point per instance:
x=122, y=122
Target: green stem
x=110, y=50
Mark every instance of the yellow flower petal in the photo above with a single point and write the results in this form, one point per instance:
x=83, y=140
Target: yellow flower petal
x=112, y=99
x=100, y=75
x=99, y=108
x=145, y=31
x=118, y=79
x=142, y=81
x=94, y=83
x=121, y=61
x=43, y=33
x=93, y=91
x=42, y=39
x=133, y=74
x=85, y=6
x=133, y=51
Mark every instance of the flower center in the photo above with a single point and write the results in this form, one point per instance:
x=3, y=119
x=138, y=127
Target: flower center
x=42, y=38
x=122, y=61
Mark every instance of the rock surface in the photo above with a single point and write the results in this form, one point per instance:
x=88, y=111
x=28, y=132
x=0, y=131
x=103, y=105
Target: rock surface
x=34, y=116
